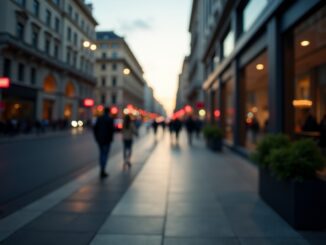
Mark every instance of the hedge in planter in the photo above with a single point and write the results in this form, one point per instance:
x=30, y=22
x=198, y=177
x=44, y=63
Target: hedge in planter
x=213, y=135
x=288, y=183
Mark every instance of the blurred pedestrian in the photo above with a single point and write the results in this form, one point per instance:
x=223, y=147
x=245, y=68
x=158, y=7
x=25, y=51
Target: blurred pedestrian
x=103, y=132
x=177, y=125
x=155, y=126
x=129, y=130
x=190, y=127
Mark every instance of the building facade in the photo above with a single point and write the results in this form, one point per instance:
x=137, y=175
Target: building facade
x=42, y=52
x=265, y=65
x=120, y=79
x=183, y=83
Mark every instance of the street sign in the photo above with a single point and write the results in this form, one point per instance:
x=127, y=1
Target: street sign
x=4, y=82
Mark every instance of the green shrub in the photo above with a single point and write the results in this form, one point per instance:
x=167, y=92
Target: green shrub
x=266, y=145
x=298, y=161
x=212, y=132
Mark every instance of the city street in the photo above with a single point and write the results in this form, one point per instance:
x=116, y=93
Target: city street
x=31, y=167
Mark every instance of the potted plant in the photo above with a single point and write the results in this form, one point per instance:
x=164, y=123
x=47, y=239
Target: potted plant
x=213, y=136
x=288, y=182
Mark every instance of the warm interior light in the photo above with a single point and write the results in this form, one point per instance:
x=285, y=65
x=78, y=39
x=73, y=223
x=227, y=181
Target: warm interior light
x=202, y=112
x=93, y=47
x=4, y=82
x=260, y=67
x=86, y=44
x=302, y=103
x=305, y=43
x=126, y=71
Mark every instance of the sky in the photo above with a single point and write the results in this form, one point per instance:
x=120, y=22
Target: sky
x=157, y=33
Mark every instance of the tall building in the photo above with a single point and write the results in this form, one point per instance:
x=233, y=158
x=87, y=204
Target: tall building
x=120, y=79
x=183, y=83
x=45, y=50
x=265, y=66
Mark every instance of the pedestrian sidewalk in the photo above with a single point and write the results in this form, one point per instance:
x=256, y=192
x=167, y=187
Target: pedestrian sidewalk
x=173, y=195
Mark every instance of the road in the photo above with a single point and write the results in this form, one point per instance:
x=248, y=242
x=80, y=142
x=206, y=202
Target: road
x=29, y=165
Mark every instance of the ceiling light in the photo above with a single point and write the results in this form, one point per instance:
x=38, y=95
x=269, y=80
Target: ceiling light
x=260, y=67
x=305, y=43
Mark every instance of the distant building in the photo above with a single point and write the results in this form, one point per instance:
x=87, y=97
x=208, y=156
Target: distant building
x=149, y=99
x=119, y=76
x=42, y=52
x=183, y=84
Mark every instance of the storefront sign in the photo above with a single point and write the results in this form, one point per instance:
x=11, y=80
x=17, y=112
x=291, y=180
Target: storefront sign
x=4, y=82
x=88, y=102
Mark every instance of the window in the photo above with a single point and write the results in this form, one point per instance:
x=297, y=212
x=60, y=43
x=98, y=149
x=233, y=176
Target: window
x=57, y=2
x=68, y=56
x=103, y=55
x=251, y=12
x=33, y=76
x=74, y=58
x=114, y=45
x=57, y=24
x=104, y=46
x=228, y=109
x=56, y=50
x=103, y=67
x=103, y=99
x=68, y=33
x=21, y=2
x=36, y=8
x=21, y=71
x=20, y=31
x=82, y=24
x=113, y=99
x=35, y=38
x=76, y=17
x=47, y=45
x=75, y=38
x=114, y=81
x=228, y=44
x=114, y=66
x=114, y=55
x=81, y=63
x=48, y=18
x=70, y=10
x=103, y=81
x=7, y=67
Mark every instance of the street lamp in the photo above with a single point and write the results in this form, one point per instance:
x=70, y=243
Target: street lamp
x=126, y=71
x=86, y=44
x=93, y=47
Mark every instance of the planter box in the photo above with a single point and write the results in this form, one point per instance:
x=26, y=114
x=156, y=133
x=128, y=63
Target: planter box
x=301, y=204
x=214, y=144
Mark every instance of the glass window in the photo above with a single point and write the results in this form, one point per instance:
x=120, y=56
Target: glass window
x=57, y=24
x=36, y=8
x=256, y=114
x=33, y=76
x=103, y=55
x=7, y=67
x=114, y=66
x=103, y=99
x=35, y=38
x=70, y=10
x=21, y=2
x=21, y=71
x=228, y=44
x=103, y=67
x=228, y=109
x=309, y=100
x=103, y=81
x=68, y=56
x=104, y=46
x=75, y=38
x=114, y=55
x=56, y=50
x=20, y=31
x=47, y=45
x=251, y=12
x=114, y=81
x=48, y=18
x=113, y=99
x=69, y=33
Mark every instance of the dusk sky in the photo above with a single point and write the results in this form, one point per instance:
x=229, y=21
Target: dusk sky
x=157, y=33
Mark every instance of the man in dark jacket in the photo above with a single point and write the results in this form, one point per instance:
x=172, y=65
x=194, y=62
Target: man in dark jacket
x=103, y=132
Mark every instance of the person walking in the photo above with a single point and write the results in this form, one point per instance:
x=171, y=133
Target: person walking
x=177, y=125
x=129, y=130
x=190, y=126
x=103, y=132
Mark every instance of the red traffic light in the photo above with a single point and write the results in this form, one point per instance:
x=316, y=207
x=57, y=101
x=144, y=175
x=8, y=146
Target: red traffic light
x=4, y=82
x=88, y=102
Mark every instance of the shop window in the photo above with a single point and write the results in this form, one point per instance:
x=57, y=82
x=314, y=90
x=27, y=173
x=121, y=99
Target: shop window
x=21, y=72
x=67, y=112
x=251, y=12
x=49, y=84
x=256, y=114
x=227, y=109
x=309, y=102
x=228, y=44
x=70, y=89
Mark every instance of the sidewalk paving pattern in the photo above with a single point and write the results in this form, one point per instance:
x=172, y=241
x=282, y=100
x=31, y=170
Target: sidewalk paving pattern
x=175, y=195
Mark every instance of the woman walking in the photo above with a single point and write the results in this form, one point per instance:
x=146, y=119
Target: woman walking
x=128, y=131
